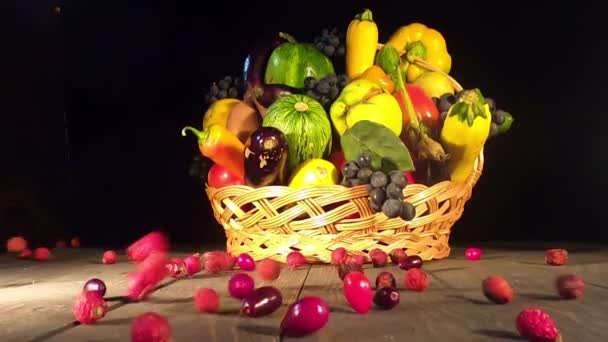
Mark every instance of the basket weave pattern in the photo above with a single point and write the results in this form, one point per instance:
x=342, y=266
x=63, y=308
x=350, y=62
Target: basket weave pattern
x=272, y=221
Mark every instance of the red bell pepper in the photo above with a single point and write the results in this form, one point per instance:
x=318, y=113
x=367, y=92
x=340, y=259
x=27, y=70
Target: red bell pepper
x=425, y=109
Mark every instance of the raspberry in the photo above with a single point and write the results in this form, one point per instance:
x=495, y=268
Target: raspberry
x=151, y=242
x=149, y=273
x=109, y=257
x=556, y=257
x=60, y=244
x=150, y=327
x=75, y=242
x=25, y=254
x=379, y=258
x=193, y=264
x=397, y=255
x=207, y=300
x=497, y=290
x=16, y=244
x=536, y=325
x=42, y=254
x=268, y=269
x=90, y=307
x=295, y=259
x=338, y=255
x=570, y=286
x=416, y=280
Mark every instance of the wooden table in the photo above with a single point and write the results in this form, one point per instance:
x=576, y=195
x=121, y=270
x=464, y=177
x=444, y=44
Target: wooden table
x=36, y=300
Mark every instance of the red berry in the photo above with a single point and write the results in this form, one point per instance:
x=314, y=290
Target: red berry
x=150, y=327
x=207, y=300
x=536, y=325
x=473, y=254
x=149, y=273
x=42, y=254
x=348, y=266
x=151, y=242
x=356, y=259
x=379, y=258
x=295, y=259
x=16, y=244
x=245, y=262
x=193, y=264
x=570, y=286
x=60, y=244
x=386, y=279
x=416, y=280
x=556, y=257
x=358, y=292
x=90, y=307
x=75, y=242
x=25, y=254
x=268, y=269
x=109, y=257
x=497, y=289
x=397, y=255
x=176, y=267
x=338, y=255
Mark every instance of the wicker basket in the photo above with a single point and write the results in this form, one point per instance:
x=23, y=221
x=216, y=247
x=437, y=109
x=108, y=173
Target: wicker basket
x=271, y=222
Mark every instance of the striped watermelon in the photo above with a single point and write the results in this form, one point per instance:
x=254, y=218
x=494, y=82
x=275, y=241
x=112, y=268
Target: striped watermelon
x=305, y=124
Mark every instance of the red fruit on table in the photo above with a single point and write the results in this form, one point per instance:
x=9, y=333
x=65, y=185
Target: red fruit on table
x=245, y=262
x=152, y=242
x=386, y=279
x=89, y=307
x=150, y=326
x=295, y=259
x=219, y=177
x=16, y=244
x=42, y=254
x=338, y=255
x=358, y=292
x=268, y=269
x=536, y=325
x=412, y=261
x=497, y=289
x=60, y=244
x=473, y=254
x=304, y=317
x=193, y=264
x=570, y=286
x=379, y=258
x=556, y=257
x=416, y=280
x=240, y=285
x=109, y=257
x=207, y=300
x=75, y=242
x=25, y=254
x=397, y=255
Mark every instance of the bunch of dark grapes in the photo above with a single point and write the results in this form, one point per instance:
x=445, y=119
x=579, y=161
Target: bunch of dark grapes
x=227, y=87
x=499, y=116
x=199, y=168
x=325, y=90
x=385, y=189
x=331, y=43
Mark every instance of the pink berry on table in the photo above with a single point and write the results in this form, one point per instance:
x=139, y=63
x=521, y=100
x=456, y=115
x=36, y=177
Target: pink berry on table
x=473, y=254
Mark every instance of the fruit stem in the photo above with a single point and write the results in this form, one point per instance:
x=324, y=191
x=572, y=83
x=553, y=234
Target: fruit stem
x=366, y=15
x=415, y=50
x=201, y=135
x=287, y=37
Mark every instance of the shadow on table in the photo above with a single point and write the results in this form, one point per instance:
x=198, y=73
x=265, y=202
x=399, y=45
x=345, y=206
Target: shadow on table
x=495, y=333
x=540, y=296
x=260, y=330
x=470, y=300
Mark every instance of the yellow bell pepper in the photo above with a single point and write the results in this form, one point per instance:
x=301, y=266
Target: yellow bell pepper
x=361, y=44
x=418, y=40
x=465, y=131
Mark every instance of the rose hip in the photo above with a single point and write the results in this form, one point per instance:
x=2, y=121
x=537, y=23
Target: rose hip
x=295, y=259
x=193, y=264
x=42, y=254
x=152, y=242
x=556, y=257
x=25, y=254
x=497, y=289
x=268, y=269
x=397, y=255
x=150, y=327
x=338, y=255
x=89, y=307
x=416, y=280
x=378, y=257
x=207, y=300
x=109, y=257
x=75, y=242
x=570, y=286
x=385, y=279
x=16, y=244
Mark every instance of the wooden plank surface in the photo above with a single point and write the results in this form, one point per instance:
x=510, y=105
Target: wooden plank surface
x=176, y=303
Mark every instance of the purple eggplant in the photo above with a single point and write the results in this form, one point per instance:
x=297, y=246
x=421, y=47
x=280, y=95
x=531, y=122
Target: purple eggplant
x=266, y=157
x=262, y=301
x=255, y=62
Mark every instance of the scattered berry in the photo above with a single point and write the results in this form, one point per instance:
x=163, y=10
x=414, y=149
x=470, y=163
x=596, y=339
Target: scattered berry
x=95, y=285
x=207, y=300
x=356, y=259
x=397, y=255
x=338, y=255
x=149, y=273
x=176, y=267
x=295, y=259
x=109, y=257
x=240, y=285
x=536, y=325
x=416, y=280
x=42, y=254
x=386, y=298
x=25, y=254
x=379, y=257
x=412, y=261
x=570, y=286
x=473, y=254
x=386, y=279
x=497, y=289
x=89, y=307
x=61, y=244
x=358, y=292
x=150, y=327
x=347, y=267
x=556, y=257
x=75, y=242
x=16, y=244
x=245, y=262
x=152, y=242
x=193, y=264
x=304, y=317
x=268, y=269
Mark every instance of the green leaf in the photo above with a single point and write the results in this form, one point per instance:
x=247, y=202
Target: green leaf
x=386, y=148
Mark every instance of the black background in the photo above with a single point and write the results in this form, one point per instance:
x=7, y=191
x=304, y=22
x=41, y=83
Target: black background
x=131, y=74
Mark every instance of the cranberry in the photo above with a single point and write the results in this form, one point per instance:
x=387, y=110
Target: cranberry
x=473, y=254
x=412, y=261
x=358, y=292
